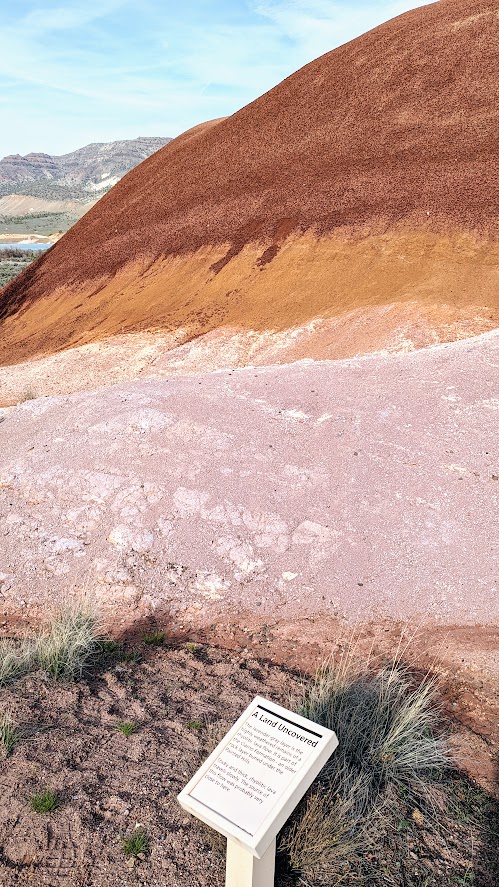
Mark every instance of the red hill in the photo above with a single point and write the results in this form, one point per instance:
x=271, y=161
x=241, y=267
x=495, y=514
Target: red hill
x=359, y=195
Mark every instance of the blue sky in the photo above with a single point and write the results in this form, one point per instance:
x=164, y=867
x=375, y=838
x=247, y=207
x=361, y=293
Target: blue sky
x=97, y=70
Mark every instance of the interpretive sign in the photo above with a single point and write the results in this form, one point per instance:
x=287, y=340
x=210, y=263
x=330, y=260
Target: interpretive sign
x=251, y=783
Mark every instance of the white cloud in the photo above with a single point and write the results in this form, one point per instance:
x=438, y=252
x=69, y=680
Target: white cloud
x=77, y=72
x=317, y=26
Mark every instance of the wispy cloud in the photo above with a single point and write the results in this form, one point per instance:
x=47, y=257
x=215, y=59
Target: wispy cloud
x=76, y=72
x=317, y=26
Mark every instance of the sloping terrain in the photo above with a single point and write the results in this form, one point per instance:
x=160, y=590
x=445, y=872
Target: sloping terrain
x=354, y=492
x=14, y=205
x=366, y=182
x=307, y=498
x=42, y=196
x=352, y=209
x=78, y=174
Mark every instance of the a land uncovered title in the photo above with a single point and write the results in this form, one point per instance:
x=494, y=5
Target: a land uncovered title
x=283, y=728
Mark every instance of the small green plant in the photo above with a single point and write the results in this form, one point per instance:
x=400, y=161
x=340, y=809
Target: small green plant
x=137, y=843
x=154, y=638
x=45, y=802
x=9, y=734
x=195, y=649
x=70, y=644
x=108, y=647
x=130, y=656
x=195, y=725
x=128, y=728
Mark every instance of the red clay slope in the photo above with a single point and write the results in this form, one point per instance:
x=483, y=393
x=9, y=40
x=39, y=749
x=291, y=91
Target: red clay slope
x=395, y=131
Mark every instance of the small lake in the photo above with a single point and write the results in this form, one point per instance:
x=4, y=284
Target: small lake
x=30, y=246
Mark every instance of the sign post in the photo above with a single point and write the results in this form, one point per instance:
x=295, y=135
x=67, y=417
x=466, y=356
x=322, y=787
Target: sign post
x=252, y=782
x=245, y=870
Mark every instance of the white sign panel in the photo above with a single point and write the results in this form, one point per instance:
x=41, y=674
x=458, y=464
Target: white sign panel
x=250, y=785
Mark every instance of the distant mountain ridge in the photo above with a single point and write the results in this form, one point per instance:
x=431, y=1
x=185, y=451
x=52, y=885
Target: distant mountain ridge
x=82, y=175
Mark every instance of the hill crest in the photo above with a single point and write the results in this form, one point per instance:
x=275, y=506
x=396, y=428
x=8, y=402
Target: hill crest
x=382, y=154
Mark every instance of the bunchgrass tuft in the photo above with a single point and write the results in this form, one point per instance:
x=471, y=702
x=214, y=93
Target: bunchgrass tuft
x=154, y=638
x=17, y=659
x=9, y=734
x=137, y=843
x=45, y=802
x=195, y=724
x=29, y=394
x=70, y=645
x=128, y=728
x=389, y=748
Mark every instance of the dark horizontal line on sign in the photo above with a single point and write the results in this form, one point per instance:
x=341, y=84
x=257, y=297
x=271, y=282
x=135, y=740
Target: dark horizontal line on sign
x=281, y=718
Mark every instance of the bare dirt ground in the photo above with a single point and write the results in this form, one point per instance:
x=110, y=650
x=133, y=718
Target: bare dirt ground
x=179, y=699
x=107, y=782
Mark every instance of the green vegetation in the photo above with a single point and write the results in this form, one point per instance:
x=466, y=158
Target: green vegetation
x=154, y=638
x=109, y=648
x=70, y=645
x=137, y=843
x=17, y=658
x=195, y=649
x=389, y=757
x=28, y=217
x=9, y=734
x=64, y=651
x=128, y=728
x=12, y=262
x=45, y=802
x=130, y=656
x=196, y=724
x=13, y=252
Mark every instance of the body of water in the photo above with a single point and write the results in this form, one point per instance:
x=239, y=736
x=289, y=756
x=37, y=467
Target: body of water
x=29, y=246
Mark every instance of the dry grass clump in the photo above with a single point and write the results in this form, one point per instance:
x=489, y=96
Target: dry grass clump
x=64, y=651
x=17, y=658
x=389, y=748
x=70, y=645
x=9, y=733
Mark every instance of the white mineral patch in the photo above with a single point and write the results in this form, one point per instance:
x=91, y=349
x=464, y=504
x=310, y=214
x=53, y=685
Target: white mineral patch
x=129, y=538
x=6, y=580
x=131, y=500
x=235, y=491
x=309, y=532
x=97, y=485
x=294, y=414
x=189, y=502
x=63, y=544
x=211, y=585
x=38, y=406
x=241, y=555
x=142, y=422
x=165, y=526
